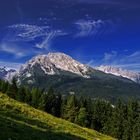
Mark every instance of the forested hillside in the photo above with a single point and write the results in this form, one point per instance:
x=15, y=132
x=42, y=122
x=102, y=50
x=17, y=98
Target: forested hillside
x=120, y=120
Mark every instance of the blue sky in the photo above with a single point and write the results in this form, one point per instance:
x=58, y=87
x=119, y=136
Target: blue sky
x=94, y=32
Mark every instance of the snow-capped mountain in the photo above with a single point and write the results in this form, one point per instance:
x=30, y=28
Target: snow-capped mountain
x=134, y=76
x=7, y=74
x=60, y=64
x=52, y=63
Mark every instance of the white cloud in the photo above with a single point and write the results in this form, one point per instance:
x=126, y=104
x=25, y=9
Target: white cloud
x=27, y=32
x=10, y=65
x=12, y=49
x=88, y=27
x=95, y=27
x=37, y=38
x=49, y=37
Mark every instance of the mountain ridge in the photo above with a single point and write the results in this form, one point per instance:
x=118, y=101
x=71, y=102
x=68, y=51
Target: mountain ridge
x=134, y=76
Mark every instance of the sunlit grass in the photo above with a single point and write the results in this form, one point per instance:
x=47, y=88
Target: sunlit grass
x=20, y=121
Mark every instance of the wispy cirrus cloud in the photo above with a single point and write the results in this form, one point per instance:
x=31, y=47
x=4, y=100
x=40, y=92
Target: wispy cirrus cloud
x=41, y=35
x=88, y=28
x=12, y=49
x=129, y=61
x=94, y=27
x=49, y=37
x=21, y=40
x=133, y=57
x=108, y=57
x=26, y=32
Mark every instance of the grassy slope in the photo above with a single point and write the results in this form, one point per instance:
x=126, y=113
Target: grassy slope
x=20, y=121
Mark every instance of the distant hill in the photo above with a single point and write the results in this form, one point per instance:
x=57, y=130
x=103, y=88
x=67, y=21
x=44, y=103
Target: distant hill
x=20, y=121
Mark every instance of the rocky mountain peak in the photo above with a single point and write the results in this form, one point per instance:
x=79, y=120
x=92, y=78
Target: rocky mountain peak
x=67, y=63
x=53, y=62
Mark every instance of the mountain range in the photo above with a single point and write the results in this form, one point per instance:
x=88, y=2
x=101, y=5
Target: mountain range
x=7, y=74
x=67, y=75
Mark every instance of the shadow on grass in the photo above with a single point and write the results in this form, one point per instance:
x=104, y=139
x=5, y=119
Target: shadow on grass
x=11, y=129
x=28, y=120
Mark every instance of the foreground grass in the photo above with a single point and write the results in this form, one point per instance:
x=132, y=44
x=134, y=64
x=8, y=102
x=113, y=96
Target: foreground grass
x=19, y=121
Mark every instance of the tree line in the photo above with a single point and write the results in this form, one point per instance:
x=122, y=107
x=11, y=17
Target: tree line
x=121, y=120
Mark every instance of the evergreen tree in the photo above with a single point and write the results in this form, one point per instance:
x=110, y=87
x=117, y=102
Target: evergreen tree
x=58, y=105
x=21, y=94
x=100, y=114
x=108, y=110
x=64, y=102
x=42, y=101
x=82, y=102
x=50, y=101
x=14, y=85
x=82, y=117
x=36, y=94
x=71, y=108
x=12, y=89
x=117, y=120
x=28, y=96
x=88, y=107
x=4, y=86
